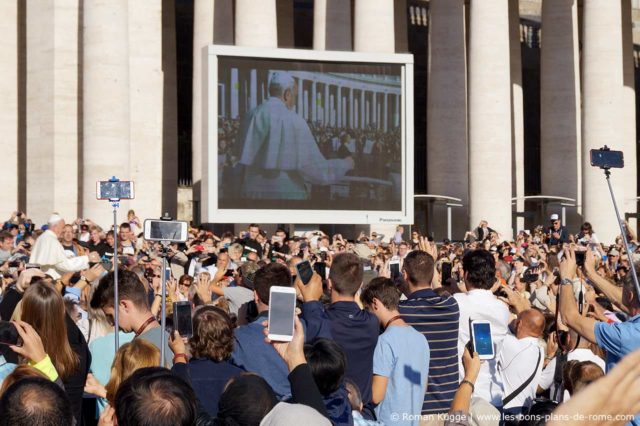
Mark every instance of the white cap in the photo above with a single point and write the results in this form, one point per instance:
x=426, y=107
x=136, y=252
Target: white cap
x=54, y=218
x=554, y=216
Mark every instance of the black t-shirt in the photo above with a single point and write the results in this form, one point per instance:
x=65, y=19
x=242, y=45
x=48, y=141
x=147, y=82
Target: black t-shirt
x=253, y=244
x=101, y=248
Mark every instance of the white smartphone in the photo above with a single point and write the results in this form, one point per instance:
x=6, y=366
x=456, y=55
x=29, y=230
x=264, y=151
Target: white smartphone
x=482, y=340
x=166, y=230
x=282, y=308
x=119, y=190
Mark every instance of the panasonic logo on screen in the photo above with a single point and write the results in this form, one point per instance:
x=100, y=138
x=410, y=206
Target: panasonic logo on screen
x=389, y=220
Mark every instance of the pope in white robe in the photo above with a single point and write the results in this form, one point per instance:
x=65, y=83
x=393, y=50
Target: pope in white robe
x=279, y=151
x=50, y=255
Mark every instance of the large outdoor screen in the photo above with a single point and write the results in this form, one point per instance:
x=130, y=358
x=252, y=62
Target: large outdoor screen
x=307, y=137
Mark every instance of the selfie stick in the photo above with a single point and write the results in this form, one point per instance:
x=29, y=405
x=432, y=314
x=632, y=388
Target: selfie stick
x=163, y=304
x=163, y=317
x=607, y=173
x=115, y=202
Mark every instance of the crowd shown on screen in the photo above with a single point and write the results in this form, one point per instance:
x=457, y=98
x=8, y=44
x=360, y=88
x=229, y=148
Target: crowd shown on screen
x=387, y=329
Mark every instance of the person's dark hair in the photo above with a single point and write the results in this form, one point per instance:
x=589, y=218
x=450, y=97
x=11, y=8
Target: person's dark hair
x=5, y=235
x=156, y=391
x=587, y=227
x=382, y=289
x=346, y=274
x=246, y=400
x=269, y=276
x=212, y=334
x=35, y=401
x=419, y=266
x=125, y=225
x=479, y=268
x=327, y=362
x=129, y=287
x=253, y=225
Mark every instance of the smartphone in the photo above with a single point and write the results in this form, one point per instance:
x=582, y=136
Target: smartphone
x=14, y=264
x=607, y=159
x=580, y=258
x=175, y=231
x=394, y=266
x=167, y=274
x=320, y=268
x=482, y=340
x=282, y=308
x=118, y=190
x=32, y=266
x=446, y=271
x=9, y=334
x=182, y=318
x=304, y=271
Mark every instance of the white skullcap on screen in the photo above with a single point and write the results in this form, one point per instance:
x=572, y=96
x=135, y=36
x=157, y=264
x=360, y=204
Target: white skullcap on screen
x=279, y=82
x=54, y=218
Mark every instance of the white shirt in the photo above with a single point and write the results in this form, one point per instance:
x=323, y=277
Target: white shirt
x=516, y=362
x=579, y=354
x=483, y=305
x=50, y=255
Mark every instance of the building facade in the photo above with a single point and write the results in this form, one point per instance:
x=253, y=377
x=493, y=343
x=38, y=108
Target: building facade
x=510, y=97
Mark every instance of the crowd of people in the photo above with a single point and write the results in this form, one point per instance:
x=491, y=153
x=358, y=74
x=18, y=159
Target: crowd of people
x=382, y=329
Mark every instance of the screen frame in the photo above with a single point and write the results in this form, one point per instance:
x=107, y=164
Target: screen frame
x=282, y=290
x=473, y=327
x=184, y=230
x=209, y=209
x=131, y=190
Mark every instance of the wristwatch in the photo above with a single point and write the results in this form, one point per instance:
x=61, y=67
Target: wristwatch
x=566, y=281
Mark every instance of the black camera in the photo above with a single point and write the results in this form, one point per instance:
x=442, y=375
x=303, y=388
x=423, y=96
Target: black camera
x=529, y=276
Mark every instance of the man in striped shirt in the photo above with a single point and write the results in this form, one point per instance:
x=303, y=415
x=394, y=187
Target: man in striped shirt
x=436, y=317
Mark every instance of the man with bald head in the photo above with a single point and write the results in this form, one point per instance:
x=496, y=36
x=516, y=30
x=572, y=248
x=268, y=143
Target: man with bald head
x=279, y=151
x=520, y=361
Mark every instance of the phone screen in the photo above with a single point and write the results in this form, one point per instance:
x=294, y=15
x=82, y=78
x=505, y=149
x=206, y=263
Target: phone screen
x=281, y=310
x=304, y=271
x=8, y=334
x=446, y=271
x=182, y=318
x=395, y=270
x=167, y=274
x=482, y=339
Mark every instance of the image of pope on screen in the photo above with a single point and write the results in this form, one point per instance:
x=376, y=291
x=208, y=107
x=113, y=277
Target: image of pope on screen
x=304, y=135
x=279, y=153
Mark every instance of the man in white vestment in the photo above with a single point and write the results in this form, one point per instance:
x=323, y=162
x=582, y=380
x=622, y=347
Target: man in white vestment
x=279, y=151
x=50, y=255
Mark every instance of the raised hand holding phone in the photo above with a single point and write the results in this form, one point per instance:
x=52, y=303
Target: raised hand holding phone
x=282, y=305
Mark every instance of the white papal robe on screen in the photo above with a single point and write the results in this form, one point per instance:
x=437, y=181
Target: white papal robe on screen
x=281, y=155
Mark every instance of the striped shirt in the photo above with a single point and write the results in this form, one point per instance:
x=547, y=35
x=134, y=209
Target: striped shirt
x=436, y=317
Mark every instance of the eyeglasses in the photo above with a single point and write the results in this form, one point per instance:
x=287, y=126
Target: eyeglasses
x=186, y=284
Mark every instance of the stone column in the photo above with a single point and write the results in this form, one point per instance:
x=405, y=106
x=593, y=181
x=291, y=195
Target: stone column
x=332, y=25
x=447, y=162
x=490, y=116
x=386, y=111
x=362, y=113
x=517, y=114
x=374, y=108
x=339, y=106
x=9, y=107
x=235, y=94
x=314, y=102
x=560, y=132
x=300, y=105
x=146, y=100
x=374, y=26
x=604, y=117
x=203, y=16
x=630, y=203
x=105, y=101
x=351, y=108
x=256, y=23
x=326, y=104
x=52, y=109
x=253, y=89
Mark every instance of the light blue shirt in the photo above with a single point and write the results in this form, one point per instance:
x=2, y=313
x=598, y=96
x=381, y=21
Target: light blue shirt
x=619, y=339
x=6, y=368
x=402, y=355
x=103, y=352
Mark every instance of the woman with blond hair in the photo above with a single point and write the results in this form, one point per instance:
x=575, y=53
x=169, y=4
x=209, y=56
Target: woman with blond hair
x=43, y=308
x=131, y=356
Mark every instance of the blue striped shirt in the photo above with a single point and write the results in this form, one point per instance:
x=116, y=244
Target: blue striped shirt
x=437, y=318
